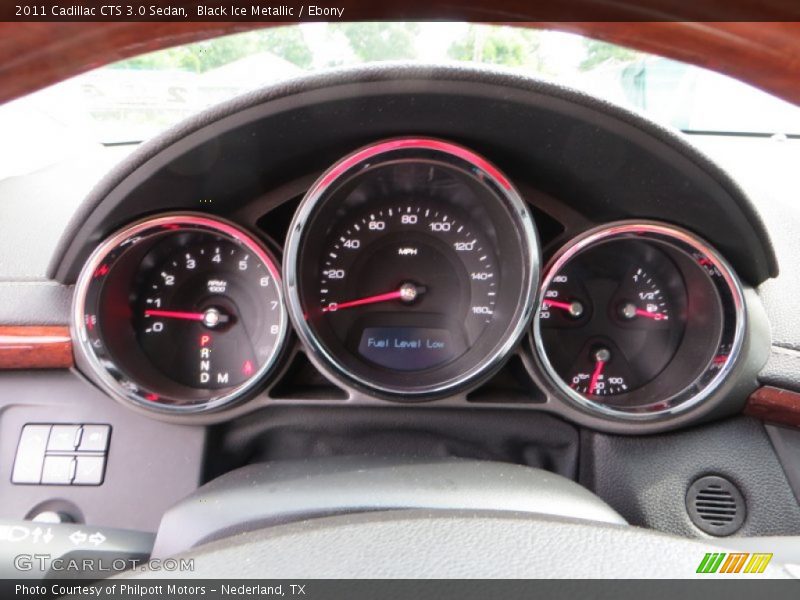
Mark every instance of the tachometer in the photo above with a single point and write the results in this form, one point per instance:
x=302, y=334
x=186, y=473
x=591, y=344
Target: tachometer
x=410, y=268
x=180, y=313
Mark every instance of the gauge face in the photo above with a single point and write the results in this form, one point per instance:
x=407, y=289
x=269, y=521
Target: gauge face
x=636, y=320
x=411, y=275
x=613, y=318
x=181, y=313
x=207, y=316
x=408, y=286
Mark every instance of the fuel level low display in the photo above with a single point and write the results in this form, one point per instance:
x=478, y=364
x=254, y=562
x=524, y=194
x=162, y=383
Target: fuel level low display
x=612, y=319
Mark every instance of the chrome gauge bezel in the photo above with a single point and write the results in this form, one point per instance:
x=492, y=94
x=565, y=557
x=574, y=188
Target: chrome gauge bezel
x=719, y=273
x=365, y=158
x=112, y=377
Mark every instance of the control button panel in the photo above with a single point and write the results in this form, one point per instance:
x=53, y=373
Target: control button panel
x=62, y=454
x=58, y=470
x=89, y=470
x=30, y=454
x=94, y=438
x=64, y=438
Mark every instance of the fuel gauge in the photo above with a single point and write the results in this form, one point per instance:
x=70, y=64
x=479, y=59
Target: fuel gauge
x=632, y=321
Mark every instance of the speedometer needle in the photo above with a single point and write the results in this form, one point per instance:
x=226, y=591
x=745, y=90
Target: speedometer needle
x=407, y=292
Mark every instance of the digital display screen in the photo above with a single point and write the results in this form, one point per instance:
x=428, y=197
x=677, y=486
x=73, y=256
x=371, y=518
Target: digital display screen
x=406, y=348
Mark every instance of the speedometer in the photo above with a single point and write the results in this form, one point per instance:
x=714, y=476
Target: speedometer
x=410, y=268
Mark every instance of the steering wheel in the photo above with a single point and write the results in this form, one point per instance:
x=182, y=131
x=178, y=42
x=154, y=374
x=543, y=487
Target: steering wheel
x=405, y=518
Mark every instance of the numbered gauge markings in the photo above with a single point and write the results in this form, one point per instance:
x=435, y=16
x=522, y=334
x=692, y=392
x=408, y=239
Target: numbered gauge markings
x=180, y=313
x=638, y=320
x=410, y=268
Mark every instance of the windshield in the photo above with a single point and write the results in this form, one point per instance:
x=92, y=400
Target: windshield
x=133, y=100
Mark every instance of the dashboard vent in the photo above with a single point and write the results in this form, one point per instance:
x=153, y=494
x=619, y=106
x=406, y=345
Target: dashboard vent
x=715, y=505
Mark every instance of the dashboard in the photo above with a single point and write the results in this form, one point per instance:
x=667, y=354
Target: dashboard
x=411, y=272
x=406, y=260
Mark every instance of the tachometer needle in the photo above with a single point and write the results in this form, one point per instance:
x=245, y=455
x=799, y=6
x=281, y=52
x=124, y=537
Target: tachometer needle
x=212, y=317
x=175, y=314
x=407, y=292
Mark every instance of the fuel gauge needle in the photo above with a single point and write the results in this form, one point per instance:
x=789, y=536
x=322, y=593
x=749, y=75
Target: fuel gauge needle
x=656, y=316
x=630, y=311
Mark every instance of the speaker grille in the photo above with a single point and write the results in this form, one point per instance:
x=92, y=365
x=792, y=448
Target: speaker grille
x=715, y=505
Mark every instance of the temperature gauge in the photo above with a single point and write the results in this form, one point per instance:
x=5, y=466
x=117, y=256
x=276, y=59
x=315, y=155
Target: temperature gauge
x=636, y=319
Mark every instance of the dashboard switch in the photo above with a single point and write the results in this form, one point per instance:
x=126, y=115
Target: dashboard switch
x=89, y=470
x=63, y=438
x=94, y=438
x=58, y=470
x=61, y=454
x=30, y=454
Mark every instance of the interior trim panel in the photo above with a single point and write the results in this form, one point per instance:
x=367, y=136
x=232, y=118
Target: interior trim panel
x=774, y=405
x=35, y=347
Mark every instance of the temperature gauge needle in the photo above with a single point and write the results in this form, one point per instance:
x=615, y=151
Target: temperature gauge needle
x=407, y=292
x=574, y=308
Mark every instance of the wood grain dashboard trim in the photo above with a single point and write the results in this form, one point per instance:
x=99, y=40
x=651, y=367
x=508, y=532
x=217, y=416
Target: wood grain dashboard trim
x=775, y=405
x=35, y=347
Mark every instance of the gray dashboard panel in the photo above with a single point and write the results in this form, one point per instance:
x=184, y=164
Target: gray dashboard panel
x=645, y=478
x=34, y=303
x=150, y=464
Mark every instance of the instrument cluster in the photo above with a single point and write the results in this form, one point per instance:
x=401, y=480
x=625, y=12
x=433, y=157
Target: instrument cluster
x=410, y=273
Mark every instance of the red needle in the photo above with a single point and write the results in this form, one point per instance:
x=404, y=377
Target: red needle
x=175, y=314
x=598, y=370
x=651, y=315
x=557, y=304
x=361, y=301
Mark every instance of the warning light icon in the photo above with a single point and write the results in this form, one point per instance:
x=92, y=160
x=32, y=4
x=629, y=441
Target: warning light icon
x=247, y=368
